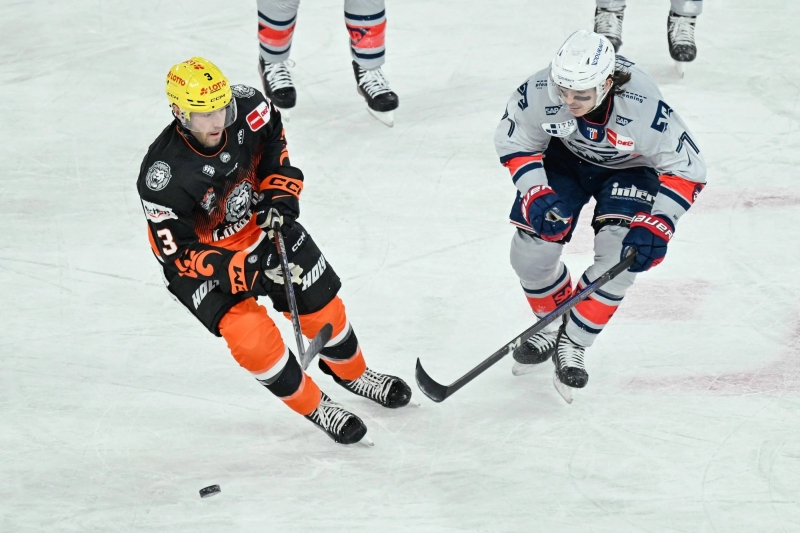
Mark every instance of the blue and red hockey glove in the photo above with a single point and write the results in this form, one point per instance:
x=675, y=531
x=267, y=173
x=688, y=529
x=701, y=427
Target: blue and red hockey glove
x=649, y=236
x=546, y=213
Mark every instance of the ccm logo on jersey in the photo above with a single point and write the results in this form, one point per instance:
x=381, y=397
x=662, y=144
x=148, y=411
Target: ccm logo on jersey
x=258, y=117
x=622, y=143
x=157, y=213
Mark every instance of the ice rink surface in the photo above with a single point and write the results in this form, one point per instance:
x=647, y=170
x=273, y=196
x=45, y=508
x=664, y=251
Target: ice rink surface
x=116, y=406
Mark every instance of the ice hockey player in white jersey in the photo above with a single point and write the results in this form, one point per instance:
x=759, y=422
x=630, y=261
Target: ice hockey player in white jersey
x=592, y=124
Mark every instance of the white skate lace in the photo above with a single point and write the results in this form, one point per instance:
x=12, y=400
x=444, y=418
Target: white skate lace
x=330, y=415
x=570, y=354
x=374, y=82
x=542, y=341
x=372, y=385
x=682, y=30
x=277, y=74
x=608, y=22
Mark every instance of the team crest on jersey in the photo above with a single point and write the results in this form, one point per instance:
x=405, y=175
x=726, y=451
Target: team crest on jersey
x=258, y=117
x=622, y=121
x=208, y=170
x=158, y=175
x=242, y=91
x=209, y=200
x=157, y=213
x=560, y=129
x=225, y=157
x=238, y=201
x=240, y=136
x=591, y=133
x=552, y=109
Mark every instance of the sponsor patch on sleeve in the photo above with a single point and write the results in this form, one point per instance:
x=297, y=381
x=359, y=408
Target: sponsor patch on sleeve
x=620, y=142
x=258, y=117
x=157, y=213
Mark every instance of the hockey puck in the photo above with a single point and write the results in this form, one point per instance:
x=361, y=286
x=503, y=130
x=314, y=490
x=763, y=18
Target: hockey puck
x=209, y=491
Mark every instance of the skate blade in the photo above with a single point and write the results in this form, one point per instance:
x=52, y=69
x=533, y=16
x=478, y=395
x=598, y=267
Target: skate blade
x=386, y=117
x=565, y=391
x=366, y=441
x=286, y=114
x=520, y=369
x=679, y=66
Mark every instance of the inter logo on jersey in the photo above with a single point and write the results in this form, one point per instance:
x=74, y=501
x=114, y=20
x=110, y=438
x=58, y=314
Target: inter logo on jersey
x=258, y=117
x=622, y=121
x=552, y=110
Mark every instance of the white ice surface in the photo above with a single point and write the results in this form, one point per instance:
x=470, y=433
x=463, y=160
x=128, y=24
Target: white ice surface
x=116, y=406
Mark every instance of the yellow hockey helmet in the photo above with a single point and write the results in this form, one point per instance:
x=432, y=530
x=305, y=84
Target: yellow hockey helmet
x=198, y=86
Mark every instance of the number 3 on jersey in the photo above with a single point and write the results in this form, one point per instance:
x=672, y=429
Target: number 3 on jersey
x=168, y=245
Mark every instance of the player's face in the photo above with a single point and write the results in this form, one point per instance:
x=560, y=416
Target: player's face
x=579, y=102
x=208, y=127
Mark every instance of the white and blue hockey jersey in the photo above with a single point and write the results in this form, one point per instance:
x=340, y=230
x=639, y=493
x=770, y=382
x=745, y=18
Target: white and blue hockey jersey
x=641, y=130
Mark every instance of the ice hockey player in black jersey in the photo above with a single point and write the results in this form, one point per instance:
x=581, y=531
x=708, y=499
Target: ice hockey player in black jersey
x=210, y=185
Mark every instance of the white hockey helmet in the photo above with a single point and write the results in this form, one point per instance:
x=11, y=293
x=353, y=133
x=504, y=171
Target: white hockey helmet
x=584, y=61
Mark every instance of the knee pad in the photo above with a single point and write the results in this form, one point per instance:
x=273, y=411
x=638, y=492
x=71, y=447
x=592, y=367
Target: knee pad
x=607, y=250
x=535, y=261
x=253, y=339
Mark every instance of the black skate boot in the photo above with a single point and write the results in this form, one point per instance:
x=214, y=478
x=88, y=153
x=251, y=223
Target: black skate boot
x=534, y=351
x=680, y=36
x=374, y=87
x=570, y=372
x=389, y=391
x=278, y=84
x=340, y=424
x=609, y=23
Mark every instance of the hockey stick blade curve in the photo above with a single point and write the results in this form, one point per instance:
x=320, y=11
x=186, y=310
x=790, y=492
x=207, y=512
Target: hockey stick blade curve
x=317, y=344
x=435, y=391
x=438, y=392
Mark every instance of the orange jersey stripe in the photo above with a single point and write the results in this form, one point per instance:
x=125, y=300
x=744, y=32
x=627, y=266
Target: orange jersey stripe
x=514, y=164
x=681, y=186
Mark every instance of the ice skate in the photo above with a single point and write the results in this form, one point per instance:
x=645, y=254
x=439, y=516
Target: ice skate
x=680, y=37
x=609, y=23
x=374, y=87
x=388, y=391
x=338, y=423
x=570, y=372
x=534, y=351
x=278, y=85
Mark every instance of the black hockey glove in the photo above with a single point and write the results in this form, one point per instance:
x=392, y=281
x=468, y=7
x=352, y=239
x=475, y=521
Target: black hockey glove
x=244, y=271
x=280, y=197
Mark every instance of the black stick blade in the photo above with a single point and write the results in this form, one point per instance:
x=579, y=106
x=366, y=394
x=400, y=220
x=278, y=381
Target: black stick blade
x=317, y=344
x=433, y=390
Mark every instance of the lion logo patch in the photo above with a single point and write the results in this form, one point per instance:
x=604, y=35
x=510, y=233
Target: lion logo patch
x=158, y=176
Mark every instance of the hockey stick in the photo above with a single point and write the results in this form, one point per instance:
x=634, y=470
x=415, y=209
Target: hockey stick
x=438, y=392
x=324, y=335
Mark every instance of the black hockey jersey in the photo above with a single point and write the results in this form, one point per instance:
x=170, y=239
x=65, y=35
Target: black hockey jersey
x=198, y=201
